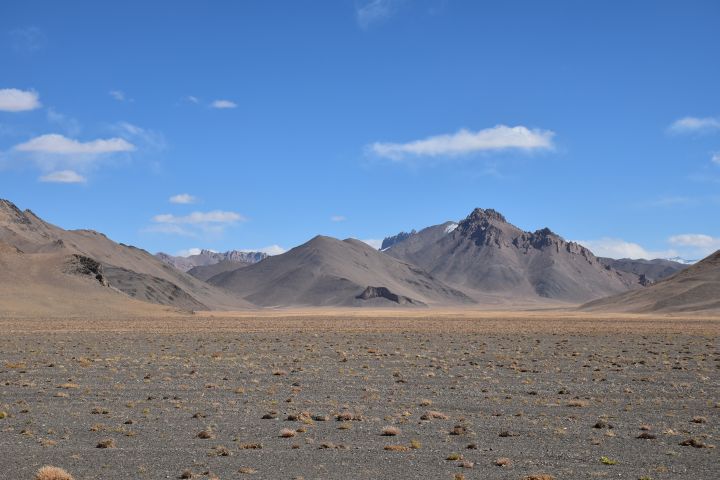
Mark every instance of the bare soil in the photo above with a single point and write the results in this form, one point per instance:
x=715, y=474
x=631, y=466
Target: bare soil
x=337, y=394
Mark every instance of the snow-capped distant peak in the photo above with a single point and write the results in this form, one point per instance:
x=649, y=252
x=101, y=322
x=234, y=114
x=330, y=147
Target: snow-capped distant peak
x=450, y=228
x=681, y=260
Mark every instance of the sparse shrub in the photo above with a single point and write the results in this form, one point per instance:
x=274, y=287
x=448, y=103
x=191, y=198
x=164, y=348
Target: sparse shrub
x=287, y=433
x=396, y=448
x=415, y=444
x=247, y=470
x=52, y=473
x=433, y=415
x=107, y=443
x=502, y=462
x=454, y=456
x=206, y=434
x=607, y=461
x=390, y=431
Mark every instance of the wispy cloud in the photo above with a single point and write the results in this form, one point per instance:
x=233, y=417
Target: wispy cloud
x=118, y=95
x=715, y=158
x=618, y=248
x=198, y=218
x=70, y=125
x=695, y=125
x=192, y=99
x=183, y=199
x=223, y=104
x=60, y=145
x=338, y=218
x=196, y=224
x=464, y=142
x=63, y=176
x=370, y=12
x=15, y=100
x=146, y=138
x=27, y=39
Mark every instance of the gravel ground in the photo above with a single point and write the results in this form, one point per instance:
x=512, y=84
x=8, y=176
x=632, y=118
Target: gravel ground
x=453, y=402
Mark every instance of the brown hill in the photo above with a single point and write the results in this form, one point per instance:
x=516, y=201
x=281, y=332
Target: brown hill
x=694, y=289
x=131, y=270
x=330, y=272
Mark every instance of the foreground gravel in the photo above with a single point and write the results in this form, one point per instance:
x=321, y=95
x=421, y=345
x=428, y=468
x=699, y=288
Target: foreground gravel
x=462, y=403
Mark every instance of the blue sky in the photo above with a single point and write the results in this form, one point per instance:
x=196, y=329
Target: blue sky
x=243, y=125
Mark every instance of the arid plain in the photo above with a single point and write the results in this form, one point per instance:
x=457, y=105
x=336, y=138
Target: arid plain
x=340, y=394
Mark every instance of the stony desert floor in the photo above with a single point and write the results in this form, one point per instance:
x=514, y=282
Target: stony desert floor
x=371, y=395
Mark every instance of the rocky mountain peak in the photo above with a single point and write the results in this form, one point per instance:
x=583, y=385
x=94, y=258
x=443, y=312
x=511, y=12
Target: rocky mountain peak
x=479, y=215
x=11, y=213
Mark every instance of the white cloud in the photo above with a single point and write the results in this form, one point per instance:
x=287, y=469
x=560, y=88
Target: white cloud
x=270, y=250
x=14, y=100
x=189, y=252
x=370, y=12
x=223, y=104
x=183, y=198
x=500, y=137
x=196, y=224
x=192, y=99
x=697, y=240
x=696, y=245
x=715, y=158
x=617, y=248
x=117, y=95
x=199, y=218
x=695, y=125
x=338, y=218
x=63, y=176
x=374, y=243
x=58, y=144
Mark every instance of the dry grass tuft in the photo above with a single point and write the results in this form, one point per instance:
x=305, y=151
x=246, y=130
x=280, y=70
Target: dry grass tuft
x=52, y=473
x=542, y=476
x=287, y=433
x=205, y=434
x=502, y=462
x=390, y=431
x=107, y=443
x=434, y=415
x=396, y=448
x=247, y=470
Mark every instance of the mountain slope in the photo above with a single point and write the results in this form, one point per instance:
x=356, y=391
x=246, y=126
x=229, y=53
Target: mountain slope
x=208, y=257
x=487, y=255
x=151, y=279
x=330, y=272
x=206, y=272
x=694, y=289
x=652, y=270
x=47, y=285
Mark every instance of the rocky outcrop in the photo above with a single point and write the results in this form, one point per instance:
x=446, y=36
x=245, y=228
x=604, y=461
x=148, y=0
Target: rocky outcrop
x=383, y=292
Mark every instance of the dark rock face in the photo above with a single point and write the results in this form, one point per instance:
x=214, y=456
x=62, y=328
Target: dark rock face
x=86, y=266
x=384, y=292
x=390, y=241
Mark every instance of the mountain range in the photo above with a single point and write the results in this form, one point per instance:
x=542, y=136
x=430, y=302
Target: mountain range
x=481, y=261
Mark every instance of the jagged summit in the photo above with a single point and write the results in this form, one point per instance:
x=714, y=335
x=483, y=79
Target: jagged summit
x=479, y=215
x=208, y=257
x=489, y=255
x=9, y=212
